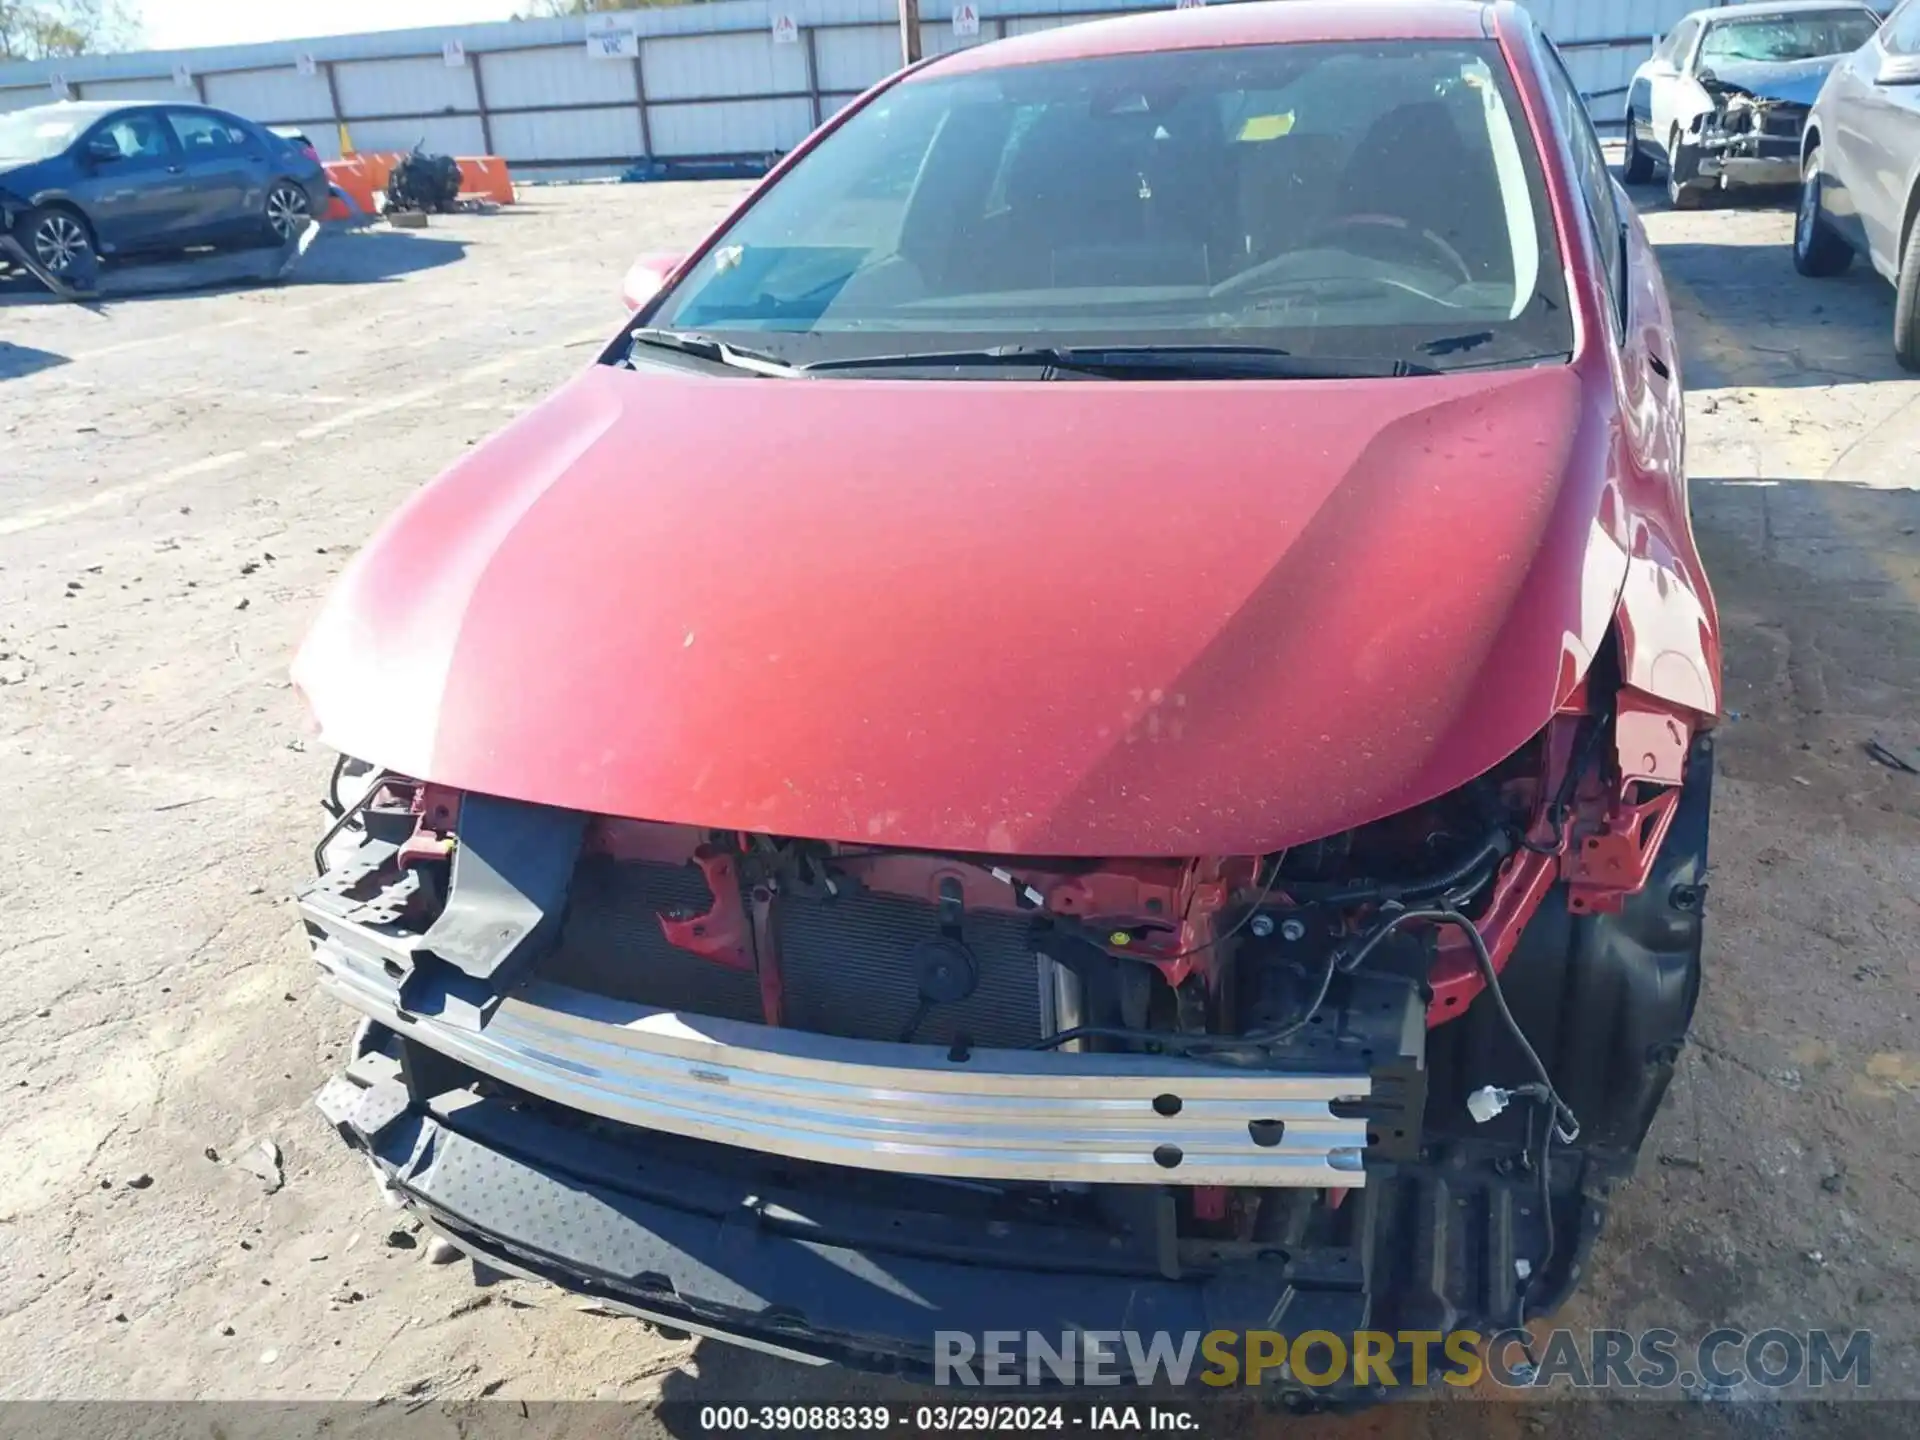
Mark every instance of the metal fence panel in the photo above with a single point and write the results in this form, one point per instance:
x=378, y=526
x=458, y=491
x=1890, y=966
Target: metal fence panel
x=704, y=66
x=937, y=38
x=270, y=96
x=853, y=58
x=1027, y=24
x=730, y=127
x=531, y=78
x=1595, y=19
x=439, y=134
x=1602, y=76
x=603, y=135
x=156, y=91
x=403, y=87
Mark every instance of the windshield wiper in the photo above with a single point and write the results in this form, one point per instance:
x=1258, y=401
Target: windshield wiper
x=687, y=342
x=1457, y=344
x=1141, y=362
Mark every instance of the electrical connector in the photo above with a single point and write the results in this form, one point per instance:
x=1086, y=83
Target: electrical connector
x=1487, y=1102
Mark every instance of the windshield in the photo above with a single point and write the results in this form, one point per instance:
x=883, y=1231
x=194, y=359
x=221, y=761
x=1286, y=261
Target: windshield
x=1363, y=201
x=1802, y=36
x=37, y=134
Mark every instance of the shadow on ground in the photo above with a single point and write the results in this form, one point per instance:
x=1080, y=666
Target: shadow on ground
x=371, y=256
x=1785, y=330
x=19, y=360
x=337, y=257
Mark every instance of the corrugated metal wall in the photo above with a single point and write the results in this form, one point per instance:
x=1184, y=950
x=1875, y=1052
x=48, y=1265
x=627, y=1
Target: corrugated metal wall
x=709, y=79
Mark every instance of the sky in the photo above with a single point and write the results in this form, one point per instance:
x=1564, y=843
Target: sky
x=180, y=24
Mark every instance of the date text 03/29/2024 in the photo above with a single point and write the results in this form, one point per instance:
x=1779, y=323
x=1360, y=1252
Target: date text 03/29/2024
x=942, y=1418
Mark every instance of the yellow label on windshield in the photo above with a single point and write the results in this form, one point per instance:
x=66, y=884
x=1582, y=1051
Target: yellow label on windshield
x=1266, y=127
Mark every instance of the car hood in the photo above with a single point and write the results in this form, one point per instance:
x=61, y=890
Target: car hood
x=1061, y=618
x=1797, y=82
x=13, y=172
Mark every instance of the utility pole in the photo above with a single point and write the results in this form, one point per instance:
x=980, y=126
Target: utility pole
x=909, y=31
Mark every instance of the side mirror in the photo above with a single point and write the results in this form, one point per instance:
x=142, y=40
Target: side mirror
x=647, y=276
x=1705, y=76
x=1898, y=70
x=101, y=149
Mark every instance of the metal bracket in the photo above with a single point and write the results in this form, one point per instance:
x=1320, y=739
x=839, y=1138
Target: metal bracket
x=509, y=888
x=1606, y=868
x=720, y=933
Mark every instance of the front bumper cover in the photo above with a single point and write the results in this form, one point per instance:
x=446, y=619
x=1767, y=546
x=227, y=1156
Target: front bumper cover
x=1736, y=171
x=846, y=1277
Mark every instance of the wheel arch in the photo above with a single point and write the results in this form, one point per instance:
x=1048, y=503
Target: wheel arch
x=60, y=200
x=57, y=200
x=1667, y=632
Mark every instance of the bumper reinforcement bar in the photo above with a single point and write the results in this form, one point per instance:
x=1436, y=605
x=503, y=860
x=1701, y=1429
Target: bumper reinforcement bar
x=914, y=1109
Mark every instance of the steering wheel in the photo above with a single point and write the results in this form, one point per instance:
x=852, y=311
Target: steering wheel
x=1425, y=240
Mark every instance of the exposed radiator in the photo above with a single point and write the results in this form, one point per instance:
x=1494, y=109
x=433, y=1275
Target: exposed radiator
x=847, y=966
x=612, y=943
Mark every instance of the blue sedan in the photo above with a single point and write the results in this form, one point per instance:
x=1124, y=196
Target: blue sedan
x=119, y=179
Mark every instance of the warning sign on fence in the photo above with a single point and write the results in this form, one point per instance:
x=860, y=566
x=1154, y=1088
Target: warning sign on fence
x=966, y=18
x=786, y=30
x=613, y=43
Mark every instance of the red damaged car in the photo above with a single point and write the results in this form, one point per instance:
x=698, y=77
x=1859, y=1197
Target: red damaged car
x=1097, y=719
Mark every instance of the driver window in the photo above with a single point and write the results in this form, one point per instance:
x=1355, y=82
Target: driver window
x=1595, y=181
x=136, y=137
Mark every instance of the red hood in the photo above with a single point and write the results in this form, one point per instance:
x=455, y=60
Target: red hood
x=1065, y=618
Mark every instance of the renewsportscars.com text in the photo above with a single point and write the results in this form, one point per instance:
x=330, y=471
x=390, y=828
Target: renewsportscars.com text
x=1726, y=1359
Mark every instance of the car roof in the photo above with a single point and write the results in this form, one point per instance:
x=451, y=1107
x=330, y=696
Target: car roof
x=79, y=109
x=1268, y=23
x=94, y=109
x=1752, y=8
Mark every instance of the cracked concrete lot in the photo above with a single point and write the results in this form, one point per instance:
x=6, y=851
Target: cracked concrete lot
x=181, y=478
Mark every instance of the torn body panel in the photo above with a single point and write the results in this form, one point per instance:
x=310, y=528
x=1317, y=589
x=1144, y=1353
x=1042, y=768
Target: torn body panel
x=88, y=280
x=1747, y=138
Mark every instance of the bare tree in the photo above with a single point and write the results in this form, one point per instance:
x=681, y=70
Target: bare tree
x=36, y=29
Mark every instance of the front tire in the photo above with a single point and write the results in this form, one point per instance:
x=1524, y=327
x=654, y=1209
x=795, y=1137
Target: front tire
x=1906, y=305
x=58, y=239
x=1638, y=169
x=1818, y=249
x=288, y=211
